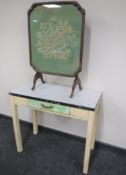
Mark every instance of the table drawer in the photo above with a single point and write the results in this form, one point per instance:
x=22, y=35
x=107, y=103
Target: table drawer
x=45, y=106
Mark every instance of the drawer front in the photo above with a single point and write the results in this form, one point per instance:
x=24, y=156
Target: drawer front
x=45, y=106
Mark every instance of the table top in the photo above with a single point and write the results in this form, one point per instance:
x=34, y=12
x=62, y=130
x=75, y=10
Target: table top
x=84, y=99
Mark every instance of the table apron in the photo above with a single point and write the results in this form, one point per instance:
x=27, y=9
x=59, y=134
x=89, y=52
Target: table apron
x=74, y=113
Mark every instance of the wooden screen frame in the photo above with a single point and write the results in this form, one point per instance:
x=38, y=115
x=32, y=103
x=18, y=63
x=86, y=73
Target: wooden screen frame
x=38, y=72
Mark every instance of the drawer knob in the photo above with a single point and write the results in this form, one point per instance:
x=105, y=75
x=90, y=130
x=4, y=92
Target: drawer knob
x=47, y=107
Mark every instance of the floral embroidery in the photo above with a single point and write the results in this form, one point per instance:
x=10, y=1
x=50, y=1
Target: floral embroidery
x=56, y=39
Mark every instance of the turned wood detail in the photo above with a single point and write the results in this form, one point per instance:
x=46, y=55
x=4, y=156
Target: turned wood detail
x=75, y=83
x=36, y=77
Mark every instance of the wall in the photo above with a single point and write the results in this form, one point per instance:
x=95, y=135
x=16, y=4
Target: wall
x=103, y=67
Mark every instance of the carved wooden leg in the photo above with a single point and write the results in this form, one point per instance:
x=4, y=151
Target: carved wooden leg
x=76, y=82
x=36, y=77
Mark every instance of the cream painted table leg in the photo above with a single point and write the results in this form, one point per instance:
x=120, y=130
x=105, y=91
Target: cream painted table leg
x=91, y=118
x=35, y=122
x=16, y=125
x=94, y=131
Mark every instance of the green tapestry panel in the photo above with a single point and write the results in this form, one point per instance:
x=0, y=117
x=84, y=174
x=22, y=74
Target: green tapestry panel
x=55, y=39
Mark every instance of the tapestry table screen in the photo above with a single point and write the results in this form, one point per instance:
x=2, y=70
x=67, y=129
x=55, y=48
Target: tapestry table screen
x=55, y=38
